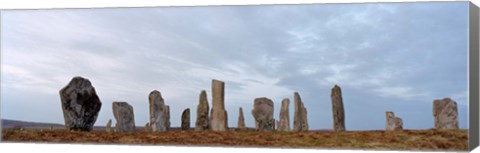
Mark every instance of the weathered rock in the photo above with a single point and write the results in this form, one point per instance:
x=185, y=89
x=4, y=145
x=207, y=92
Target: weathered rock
x=337, y=109
x=80, y=104
x=300, y=122
x=108, y=128
x=158, y=112
x=202, y=122
x=241, y=120
x=186, y=119
x=393, y=123
x=398, y=123
x=390, y=123
x=123, y=113
x=263, y=114
x=218, y=118
x=284, y=123
x=147, y=127
x=445, y=113
x=167, y=114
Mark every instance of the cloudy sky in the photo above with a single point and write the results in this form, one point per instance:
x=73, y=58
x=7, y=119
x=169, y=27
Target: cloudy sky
x=385, y=56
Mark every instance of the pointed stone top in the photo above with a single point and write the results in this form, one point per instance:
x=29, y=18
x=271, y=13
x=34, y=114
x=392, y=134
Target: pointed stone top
x=336, y=86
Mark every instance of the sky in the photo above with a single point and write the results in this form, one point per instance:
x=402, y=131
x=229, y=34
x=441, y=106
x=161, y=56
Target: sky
x=385, y=56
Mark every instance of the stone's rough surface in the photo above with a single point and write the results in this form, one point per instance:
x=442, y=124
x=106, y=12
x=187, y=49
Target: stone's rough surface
x=284, y=123
x=123, y=113
x=445, y=113
x=218, y=118
x=398, y=123
x=300, y=122
x=158, y=111
x=241, y=120
x=393, y=123
x=202, y=122
x=263, y=114
x=337, y=109
x=108, y=128
x=80, y=104
x=186, y=119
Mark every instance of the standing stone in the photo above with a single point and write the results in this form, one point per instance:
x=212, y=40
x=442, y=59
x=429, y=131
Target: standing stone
x=241, y=120
x=167, y=114
x=108, y=128
x=186, y=119
x=80, y=104
x=218, y=118
x=445, y=113
x=300, y=122
x=390, y=123
x=263, y=114
x=202, y=122
x=337, y=109
x=158, y=111
x=147, y=127
x=393, y=123
x=398, y=123
x=123, y=113
x=284, y=122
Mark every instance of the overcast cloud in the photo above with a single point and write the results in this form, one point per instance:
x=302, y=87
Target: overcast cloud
x=386, y=57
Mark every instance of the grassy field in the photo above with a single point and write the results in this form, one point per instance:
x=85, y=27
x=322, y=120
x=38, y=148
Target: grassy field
x=454, y=140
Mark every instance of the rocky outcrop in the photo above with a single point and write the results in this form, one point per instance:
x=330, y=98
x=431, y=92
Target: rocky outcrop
x=393, y=123
x=241, y=119
x=202, y=122
x=263, y=114
x=123, y=113
x=445, y=113
x=218, y=118
x=284, y=122
x=337, y=109
x=300, y=122
x=80, y=104
x=108, y=127
x=186, y=119
x=159, y=115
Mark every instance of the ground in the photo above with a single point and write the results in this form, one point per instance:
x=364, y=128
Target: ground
x=453, y=140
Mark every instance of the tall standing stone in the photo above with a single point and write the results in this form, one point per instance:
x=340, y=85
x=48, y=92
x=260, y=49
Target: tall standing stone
x=300, y=122
x=202, y=122
x=393, y=123
x=158, y=111
x=241, y=119
x=284, y=122
x=123, y=113
x=167, y=121
x=186, y=119
x=445, y=113
x=263, y=114
x=80, y=104
x=108, y=128
x=218, y=120
x=337, y=109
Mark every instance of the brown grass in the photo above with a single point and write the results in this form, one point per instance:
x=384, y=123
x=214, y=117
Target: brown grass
x=456, y=140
